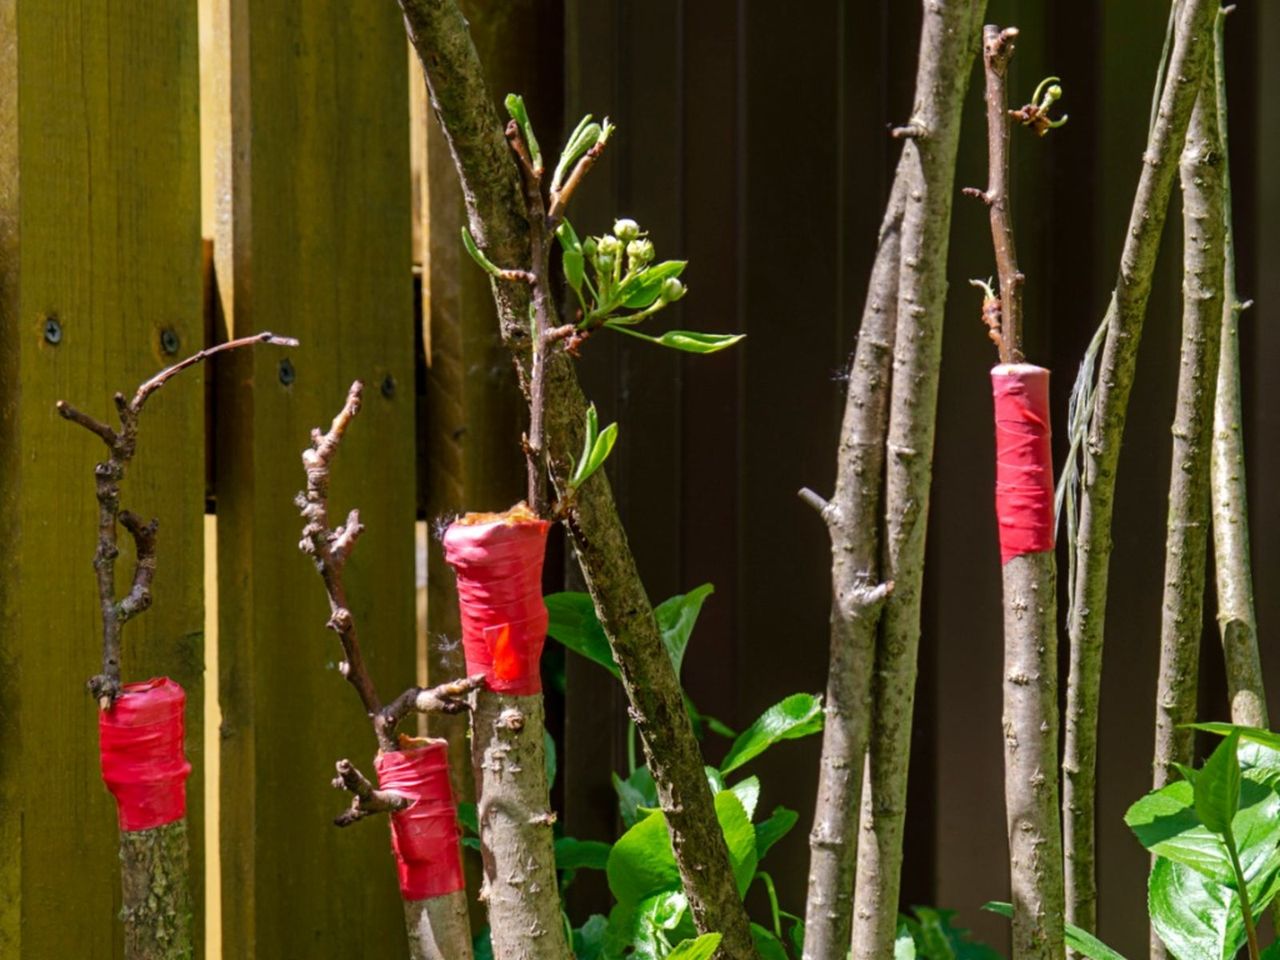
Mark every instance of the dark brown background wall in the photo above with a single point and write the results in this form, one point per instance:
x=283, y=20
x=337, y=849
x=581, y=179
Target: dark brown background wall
x=752, y=140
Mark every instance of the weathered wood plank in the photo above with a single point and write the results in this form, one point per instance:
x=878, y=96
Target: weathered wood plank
x=100, y=230
x=314, y=238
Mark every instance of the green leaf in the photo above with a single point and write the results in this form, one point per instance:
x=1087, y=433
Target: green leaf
x=768, y=946
x=739, y=836
x=687, y=340
x=549, y=757
x=516, y=109
x=641, y=864
x=676, y=618
x=646, y=930
x=469, y=817
x=482, y=945
x=597, y=444
x=1252, y=734
x=641, y=289
x=585, y=136
x=636, y=794
x=1197, y=918
x=470, y=244
x=574, y=269
x=1217, y=787
x=699, y=949
x=937, y=939
x=588, y=939
x=748, y=791
x=1079, y=941
x=572, y=854
x=904, y=945
x=773, y=829
x=572, y=621
x=799, y=715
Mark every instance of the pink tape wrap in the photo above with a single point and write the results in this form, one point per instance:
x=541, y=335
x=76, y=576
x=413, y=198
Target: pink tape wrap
x=140, y=741
x=425, y=835
x=1024, y=459
x=504, y=621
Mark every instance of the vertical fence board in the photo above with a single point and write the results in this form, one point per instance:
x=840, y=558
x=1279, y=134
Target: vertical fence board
x=314, y=239
x=99, y=228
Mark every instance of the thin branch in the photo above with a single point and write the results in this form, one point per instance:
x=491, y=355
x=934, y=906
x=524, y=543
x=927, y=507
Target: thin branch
x=447, y=698
x=144, y=539
x=329, y=549
x=366, y=799
x=560, y=198
x=163, y=377
x=997, y=50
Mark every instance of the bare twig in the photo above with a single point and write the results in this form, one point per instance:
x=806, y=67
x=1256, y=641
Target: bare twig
x=108, y=475
x=1188, y=56
x=447, y=698
x=366, y=799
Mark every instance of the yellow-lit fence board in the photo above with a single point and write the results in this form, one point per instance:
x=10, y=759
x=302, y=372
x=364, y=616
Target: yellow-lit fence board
x=100, y=234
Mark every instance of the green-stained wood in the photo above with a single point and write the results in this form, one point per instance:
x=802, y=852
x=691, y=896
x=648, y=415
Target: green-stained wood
x=100, y=228
x=314, y=239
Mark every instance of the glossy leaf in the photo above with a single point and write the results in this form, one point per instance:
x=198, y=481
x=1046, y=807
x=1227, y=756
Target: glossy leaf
x=641, y=864
x=774, y=828
x=1252, y=734
x=747, y=791
x=572, y=621
x=583, y=138
x=597, y=444
x=699, y=949
x=573, y=854
x=676, y=619
x=799, y=715
x=1200, y=918
x=641, y=290
x=477, y=255
x=1079, y=941
x=1217, y=787
x=646, y=930
x=516, y=110
x=739, y=836
x=687, y=340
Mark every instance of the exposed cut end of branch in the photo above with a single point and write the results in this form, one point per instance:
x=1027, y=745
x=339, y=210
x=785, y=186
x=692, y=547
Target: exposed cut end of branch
x=447, y=698
x=366, y=799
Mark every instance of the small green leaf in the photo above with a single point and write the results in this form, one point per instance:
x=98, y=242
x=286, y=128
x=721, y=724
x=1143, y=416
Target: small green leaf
x=642, y=289
x=689, y=341
x=572, y=256
x=1080, y=941
x=676, y=619
x=469, y=817
x=470, y=244
x=799, y=715
x=936, y=937
x=739, y=836
x=518, y=113
x=584, y=137
x=773, y=829
x=646, y=930
x=482, y=945
x=1253, y=734
x=599, y=452
x=699, y=949
x=572, y=854
x=636, y=795
x=1217, y=787
x=768, y=946
x=588, y=939
x=572, y=621
x=904, y=945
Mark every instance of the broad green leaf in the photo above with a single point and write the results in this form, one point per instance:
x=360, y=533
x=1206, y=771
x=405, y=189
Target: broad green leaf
x=1217, y=787
x=904, y=945
x=642, y=289
x=1080, y=941
x=572, y=854
x=641, y=864
x=1165, y=822
x=1252, y=734
x=572, y=621
x=636, y=794
x=689, y=341
x=574, y=269
x=676, y=618
x=768, y=946
x=516, y=109
x=773, y=829
x=477, y=255
x=1199, y=918
x=748, y=791
x=588, y=939
x=739, y=836
x=648, y=929
x=799, y=715
x=699, y=949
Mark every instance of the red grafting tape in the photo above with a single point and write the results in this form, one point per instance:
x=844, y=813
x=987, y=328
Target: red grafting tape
x=1024, y=460
x=425, y=835
x=140, y=741
x=504, y=621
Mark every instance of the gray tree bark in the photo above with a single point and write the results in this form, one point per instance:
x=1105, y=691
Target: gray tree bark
x=439, y=928
x=157, y=902
x=948, y=43
x=1125, y=315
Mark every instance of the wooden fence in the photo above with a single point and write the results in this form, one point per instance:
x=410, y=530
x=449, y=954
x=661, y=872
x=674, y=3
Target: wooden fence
x=174, y=173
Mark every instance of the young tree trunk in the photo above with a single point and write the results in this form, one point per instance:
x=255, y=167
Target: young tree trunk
x=439, y=927
x=509, y=758
x=497, y=216
x=156, y=899
x=1237, y=620
x=1187, y=538
x=853, y=521
x=1189, y=54
x=948, y=43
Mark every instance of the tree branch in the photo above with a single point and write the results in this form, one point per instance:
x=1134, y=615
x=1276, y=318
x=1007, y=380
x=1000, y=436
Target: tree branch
x=366, y=799
x=447, y=698
x=144, y=539
x=1125, y=315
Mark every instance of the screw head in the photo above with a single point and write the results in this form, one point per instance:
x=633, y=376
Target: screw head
x=287, y=374
x=169, y=341
x=388, y=386
x=52, y=330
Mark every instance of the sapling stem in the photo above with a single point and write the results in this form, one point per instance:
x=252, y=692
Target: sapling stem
x=1242, y=891
x=1189, y=53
